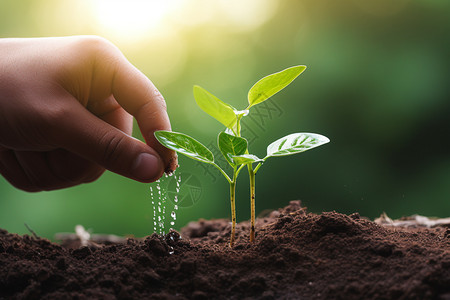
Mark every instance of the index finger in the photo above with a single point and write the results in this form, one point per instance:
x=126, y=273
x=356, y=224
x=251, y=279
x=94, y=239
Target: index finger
x=139, y=96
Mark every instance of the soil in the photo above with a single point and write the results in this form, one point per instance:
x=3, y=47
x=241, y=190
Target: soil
x=297, y=255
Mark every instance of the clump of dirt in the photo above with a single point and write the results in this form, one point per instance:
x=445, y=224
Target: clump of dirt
x=297, y=255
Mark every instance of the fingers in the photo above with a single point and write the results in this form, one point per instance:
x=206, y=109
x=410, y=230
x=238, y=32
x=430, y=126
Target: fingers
x=112, y=113
x=86, y=135
x=46, y=171
x=36, y=170
x=72, y=168
x=11, y=169
x=138, y=95
x=63, y=77
x=116, y=84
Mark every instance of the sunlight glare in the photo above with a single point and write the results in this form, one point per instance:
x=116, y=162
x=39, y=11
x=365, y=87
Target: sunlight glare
x=132, y=18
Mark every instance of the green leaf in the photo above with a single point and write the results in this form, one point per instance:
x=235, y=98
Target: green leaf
x=216, y=108
x=295, y=143
x=231, y=145
x=272, y=84
x=245, y=159
x=185, y=144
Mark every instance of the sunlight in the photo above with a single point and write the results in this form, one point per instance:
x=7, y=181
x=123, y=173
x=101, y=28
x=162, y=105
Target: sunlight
x=234, y=14
x=247, y=15
x=132, y=19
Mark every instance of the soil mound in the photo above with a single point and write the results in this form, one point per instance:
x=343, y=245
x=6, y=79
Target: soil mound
x=297, y=255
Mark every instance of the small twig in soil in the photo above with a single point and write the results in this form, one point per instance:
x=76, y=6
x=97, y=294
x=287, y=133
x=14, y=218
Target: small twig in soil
x=85, y=238
x=31, y=230
x=83, y=235
x=412, y=221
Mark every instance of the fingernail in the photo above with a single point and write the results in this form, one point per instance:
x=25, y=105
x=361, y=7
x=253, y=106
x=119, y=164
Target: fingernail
x=146, y=167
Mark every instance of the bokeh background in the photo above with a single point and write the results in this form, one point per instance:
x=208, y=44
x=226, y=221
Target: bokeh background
x=377, y=85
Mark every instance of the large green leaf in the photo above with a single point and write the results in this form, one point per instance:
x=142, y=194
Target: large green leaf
x=216, y=108
x=295, y=143
x=272, y=84
x=231, y=145
x=245, y=159
x=185, y=144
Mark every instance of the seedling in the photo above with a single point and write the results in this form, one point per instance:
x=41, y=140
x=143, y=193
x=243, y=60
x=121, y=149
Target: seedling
x=233, y=146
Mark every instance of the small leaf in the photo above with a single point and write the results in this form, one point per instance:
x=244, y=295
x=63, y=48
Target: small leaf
x=185, y=144
x=272, y=84
x=216, y=108
x=245, y=159
x=231, y=145
x=295, y=143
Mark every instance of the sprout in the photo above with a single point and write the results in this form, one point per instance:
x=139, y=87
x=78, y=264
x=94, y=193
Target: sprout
x=233, y=146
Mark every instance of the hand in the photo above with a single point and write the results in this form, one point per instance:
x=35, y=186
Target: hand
x=66, y=114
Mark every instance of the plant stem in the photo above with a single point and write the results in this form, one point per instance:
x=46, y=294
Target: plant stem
x=238, y=125
x=238, y=128
x=239, y=170
x=257, y=168
x=251, y=174
x=233, y=211
x=223, y=173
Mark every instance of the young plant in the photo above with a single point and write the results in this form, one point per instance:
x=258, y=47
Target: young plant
x=232, y=145
x=229, y=145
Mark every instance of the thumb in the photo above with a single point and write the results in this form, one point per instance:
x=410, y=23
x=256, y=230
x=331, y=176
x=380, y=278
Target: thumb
x=139, y=96
x=83, y=133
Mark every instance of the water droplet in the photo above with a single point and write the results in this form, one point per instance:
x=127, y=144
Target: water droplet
x=159, y=202
x=171, y=251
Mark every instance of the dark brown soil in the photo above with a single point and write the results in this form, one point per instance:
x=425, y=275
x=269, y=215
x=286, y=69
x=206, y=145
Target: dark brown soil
x=297, y=255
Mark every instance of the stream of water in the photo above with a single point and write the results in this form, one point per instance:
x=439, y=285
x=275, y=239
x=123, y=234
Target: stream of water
x=159, y=198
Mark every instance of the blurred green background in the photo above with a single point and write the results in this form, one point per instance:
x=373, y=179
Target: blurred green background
x=377, y=85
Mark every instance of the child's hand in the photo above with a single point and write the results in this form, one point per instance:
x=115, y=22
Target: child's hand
x=66, y=107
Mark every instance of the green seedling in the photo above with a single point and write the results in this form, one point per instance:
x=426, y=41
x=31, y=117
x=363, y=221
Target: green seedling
x=233, y=146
